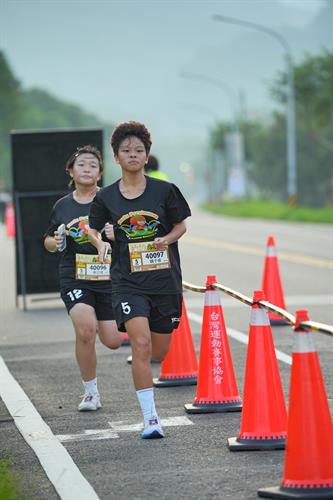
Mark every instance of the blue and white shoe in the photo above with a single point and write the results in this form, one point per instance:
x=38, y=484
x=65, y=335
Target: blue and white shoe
x=90, y=402
x=152, y=429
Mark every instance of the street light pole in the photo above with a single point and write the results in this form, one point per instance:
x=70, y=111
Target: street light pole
x=221, y=85
x=234, y=146
x=215, y=185
x=291, y=124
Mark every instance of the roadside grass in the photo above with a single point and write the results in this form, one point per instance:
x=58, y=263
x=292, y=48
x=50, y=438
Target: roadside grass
x=271, y=210
x=11, y=487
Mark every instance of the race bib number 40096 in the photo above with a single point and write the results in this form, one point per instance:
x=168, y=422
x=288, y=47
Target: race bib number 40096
x=89, y=268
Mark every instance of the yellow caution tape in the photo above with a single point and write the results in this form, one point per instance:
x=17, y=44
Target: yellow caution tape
x=312, y=325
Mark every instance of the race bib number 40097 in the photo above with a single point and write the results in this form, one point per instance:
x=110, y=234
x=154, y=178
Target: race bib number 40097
x=144, y=257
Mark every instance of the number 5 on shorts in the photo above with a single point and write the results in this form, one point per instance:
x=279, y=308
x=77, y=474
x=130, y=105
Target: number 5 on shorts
x=126, y=307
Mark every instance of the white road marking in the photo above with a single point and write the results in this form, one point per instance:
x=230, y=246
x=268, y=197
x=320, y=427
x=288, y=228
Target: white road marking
x=241, y=337
x=88, y=435
x=116, y=427
x=253, y=250
x=166, y=422
x=53, y=456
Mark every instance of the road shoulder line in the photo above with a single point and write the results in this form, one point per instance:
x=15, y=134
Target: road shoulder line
x=58, y=465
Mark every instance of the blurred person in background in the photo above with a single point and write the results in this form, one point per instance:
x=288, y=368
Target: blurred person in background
x=152, y=169
x=4, y=199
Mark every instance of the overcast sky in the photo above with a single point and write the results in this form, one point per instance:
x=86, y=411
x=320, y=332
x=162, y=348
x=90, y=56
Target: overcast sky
x=122, y=59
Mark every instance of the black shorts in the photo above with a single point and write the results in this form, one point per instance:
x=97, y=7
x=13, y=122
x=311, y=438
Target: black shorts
x=100, y=301
x=163, y=311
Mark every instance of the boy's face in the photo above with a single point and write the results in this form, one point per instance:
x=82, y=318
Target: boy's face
x=132, y=155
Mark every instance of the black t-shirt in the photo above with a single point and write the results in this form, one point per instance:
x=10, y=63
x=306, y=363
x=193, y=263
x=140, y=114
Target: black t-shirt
x=75, y=216
x=151, y=215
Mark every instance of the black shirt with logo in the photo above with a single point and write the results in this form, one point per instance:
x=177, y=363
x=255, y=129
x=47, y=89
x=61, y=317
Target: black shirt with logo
x=75, y=217
x=140, y=220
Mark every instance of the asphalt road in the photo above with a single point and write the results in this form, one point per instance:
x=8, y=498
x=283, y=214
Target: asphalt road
x=193, y=460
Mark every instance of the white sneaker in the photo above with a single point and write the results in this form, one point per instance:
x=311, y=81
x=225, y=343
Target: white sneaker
x=152, y=429
x=90, y=402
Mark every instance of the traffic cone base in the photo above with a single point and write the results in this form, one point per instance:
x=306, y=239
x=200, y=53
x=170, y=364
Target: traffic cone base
x=175, y=381
x=214, y=407
x=308, y=468
x=216, y=388
x=237, y=444
x=180, y=366
x=301, y=493
x=264, y=417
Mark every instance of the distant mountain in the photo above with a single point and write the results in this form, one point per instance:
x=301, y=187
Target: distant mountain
x=43, y=110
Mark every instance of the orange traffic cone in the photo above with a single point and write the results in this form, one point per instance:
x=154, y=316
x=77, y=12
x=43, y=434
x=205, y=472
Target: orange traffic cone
x=271, y=282
x=126, y=340
x=264, y=416
x=10, y=220
x=217, y=388
x=308, y=468
x=180, y=366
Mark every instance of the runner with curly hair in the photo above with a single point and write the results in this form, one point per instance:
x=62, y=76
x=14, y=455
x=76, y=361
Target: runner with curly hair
x=148, y=217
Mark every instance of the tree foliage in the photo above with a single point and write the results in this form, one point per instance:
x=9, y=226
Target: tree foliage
x=11, y=109
x=313, y=83
x=33, y=109
x=265, y=143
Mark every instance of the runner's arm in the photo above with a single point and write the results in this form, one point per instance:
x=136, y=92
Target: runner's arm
x=102, y=246
x=175, y=234
x=109, y=232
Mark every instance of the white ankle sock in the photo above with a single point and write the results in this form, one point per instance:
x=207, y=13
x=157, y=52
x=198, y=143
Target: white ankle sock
x=147, y=403
x=90, y=386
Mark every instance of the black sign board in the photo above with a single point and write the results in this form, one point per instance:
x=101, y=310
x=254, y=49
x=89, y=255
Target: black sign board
x=39, y=179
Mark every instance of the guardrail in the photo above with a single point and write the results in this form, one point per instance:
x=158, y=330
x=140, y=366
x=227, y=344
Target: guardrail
x=312, y=325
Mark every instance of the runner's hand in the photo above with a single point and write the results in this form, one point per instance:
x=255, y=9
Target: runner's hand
x=103, y=249
x=58, y=239
x=109, y=232
x=160, y=243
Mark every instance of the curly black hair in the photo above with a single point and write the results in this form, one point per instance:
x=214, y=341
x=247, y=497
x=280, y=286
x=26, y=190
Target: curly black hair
x=128, y=129
x=79, y=151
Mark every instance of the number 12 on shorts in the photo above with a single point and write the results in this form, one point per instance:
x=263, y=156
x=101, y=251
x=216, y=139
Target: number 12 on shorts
x=75, y=294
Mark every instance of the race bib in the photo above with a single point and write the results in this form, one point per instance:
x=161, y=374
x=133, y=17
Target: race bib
x=144, y=257
x=89, y=268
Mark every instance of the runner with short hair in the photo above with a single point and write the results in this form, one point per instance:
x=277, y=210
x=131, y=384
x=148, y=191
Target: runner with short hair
x=85, y=284
x=148, y=217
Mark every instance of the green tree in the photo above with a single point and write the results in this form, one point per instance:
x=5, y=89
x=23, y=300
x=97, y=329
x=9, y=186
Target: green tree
x=265, y=143
x=313, y=82
x=42, y=110
x=11, y=109
x=34, y=109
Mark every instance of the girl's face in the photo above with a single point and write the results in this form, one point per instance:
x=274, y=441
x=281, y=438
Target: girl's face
x=86, y=170
x=132, y=155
